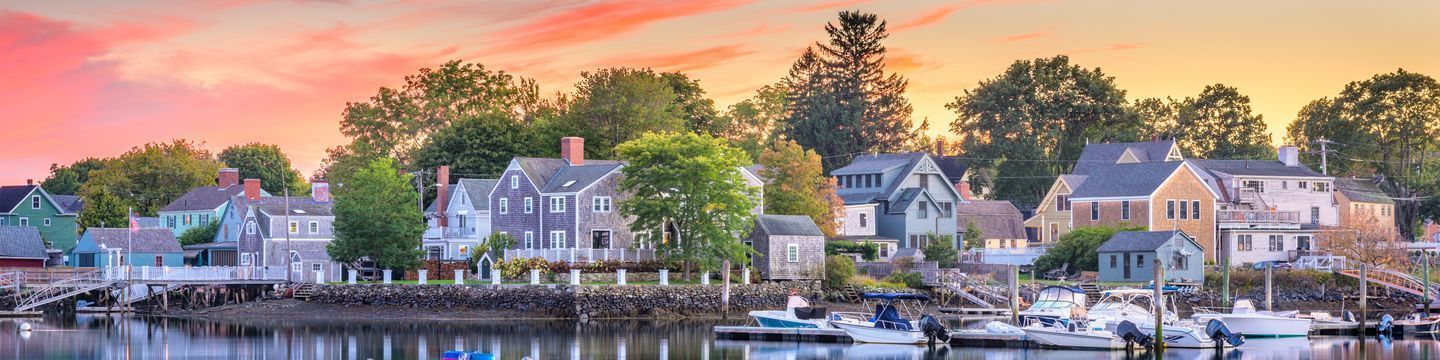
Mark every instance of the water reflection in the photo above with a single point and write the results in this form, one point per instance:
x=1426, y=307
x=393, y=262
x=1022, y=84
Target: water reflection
x=105, y=337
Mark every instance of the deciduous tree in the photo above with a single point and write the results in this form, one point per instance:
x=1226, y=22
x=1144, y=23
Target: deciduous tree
x=1218, y=124
x=103, y=209
x=153, y=175
x=1077, y=248
x=267, y=163
x=200, y=234
x=376, y=218
x=751, y=123
x=66, y=180
x=797, y=185
x=615, y=105
x=481, y=145
x=1365, y=239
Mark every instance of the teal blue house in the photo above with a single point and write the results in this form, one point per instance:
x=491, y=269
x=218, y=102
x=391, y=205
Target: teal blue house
x=102, y=247
x=1129, y=256
x=203, y=205
x=31, y=206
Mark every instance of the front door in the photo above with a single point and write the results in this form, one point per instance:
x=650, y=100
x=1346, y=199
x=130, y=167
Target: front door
x=1127, y=265
x=485, y=268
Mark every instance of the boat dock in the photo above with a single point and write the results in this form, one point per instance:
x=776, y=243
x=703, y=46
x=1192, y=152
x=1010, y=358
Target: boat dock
x=975, y=311
x=781, y=334
x=968, y=338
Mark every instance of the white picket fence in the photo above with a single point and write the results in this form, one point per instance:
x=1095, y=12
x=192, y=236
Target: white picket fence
x=583, y=255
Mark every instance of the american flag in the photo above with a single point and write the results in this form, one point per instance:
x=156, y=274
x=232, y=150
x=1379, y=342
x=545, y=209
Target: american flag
x=134, y=224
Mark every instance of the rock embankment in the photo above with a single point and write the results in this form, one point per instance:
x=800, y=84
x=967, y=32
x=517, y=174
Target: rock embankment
x=564, y=301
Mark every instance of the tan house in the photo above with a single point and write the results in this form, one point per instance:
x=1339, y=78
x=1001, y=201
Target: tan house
x=998, y=221
x=1358, y=197
x=1168, y=195
x=1052, y=216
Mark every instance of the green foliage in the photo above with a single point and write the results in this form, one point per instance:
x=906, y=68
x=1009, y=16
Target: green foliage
x=841, y=101
x=697, y=110
x=482, y=144
x=752, y=123
x=692, y=184
x=520, y=268
x=867, y=250
x=267, y=163
x=1218, y=124
x=869, y=283
x=796, y=185
x=1077, y=248
x=66, y=180
x=1037, y=109
x=499, y=242
x=838, y=270
x=974, y=238
x=911, y=280
x=103, y=209
x=200, y=234
x=941, y=252
x=376, y=217
x=615, y=105
x=149, y=177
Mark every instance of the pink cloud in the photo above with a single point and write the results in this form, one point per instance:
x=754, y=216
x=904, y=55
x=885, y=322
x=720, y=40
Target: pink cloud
x=929, y=18
x=829, y=5
x=684, y=61
x=600, y=21
x=1112, y=47
x=1023, y=37
x=902, y=61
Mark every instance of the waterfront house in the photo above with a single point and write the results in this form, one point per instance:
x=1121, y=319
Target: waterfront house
x=1360, y=197
x=20, y=246
x=1130, y=256
x=201, y=205
x=460, y=219
x=908, y=195
x=1166, y=195
x=788, y=247
x=289, y=232
x=999, y=222
x=30, y=205
x=1052, y=216
x=567, y=208
x=955, y=170
x=1269, y=210
x=102, y=247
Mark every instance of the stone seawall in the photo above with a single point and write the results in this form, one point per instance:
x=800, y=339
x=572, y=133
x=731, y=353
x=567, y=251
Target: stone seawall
x=653, y=301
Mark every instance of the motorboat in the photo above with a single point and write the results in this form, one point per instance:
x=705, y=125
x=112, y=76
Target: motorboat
x=891, y=321
x=797, y=314
x=1081, y=334
x=1053, y=303
x=1214, y=334
x=1244, y=319
x=1137, y=306
x=1419, y=324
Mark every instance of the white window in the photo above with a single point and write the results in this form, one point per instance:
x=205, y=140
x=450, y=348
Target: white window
x=295, y=266
x=601, y=204
x=250, y=228
x=504, y=206
x=315, y=267
x=1277, y=243
x=462, y=200
x=35, y=202
x=1322, y=187
x=47, y=221
x=557, y=239
x=294, y=227
x=24, y=221
x=557, y=204
x=529, y=205
x=514, y=181
x=314, y=227
x=529, y=240
x=245, y=259
x=792, y=253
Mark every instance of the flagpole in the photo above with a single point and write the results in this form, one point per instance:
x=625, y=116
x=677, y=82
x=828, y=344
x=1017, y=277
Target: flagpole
x=129, y=237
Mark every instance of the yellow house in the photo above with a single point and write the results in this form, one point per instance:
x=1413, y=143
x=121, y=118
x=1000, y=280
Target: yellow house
x=1052, y=216
x=1359, y=197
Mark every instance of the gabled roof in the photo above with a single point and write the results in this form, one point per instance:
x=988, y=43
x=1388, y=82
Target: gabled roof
x=799, y=225
x=1125, y=180
x=1096, y=155
x=1256, y=168
x=542, y=170
x=859, y=198
x=21, y=242
x=951, y=166
x=479, y=189
x=1140, y=240
x=1362, y=191
x=203, y=198
x=144, y=240
x=907, y=196
x=69, y=203
x=1073, y=180
x=573, y=178
x=12, y=195
x=878, y=163
x=997, y=219
x=296, y=209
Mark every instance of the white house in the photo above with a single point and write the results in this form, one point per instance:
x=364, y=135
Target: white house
x=1269, y=210
x=454, y=232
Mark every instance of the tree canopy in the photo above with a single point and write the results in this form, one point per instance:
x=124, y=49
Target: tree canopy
x=376, y=218
x=1078, y=248
x=103, y=209
x=66, y=180
x=200, y=234
x=482, y=145
x=796, y=185
x=149, y=177
x=1218, y=124
x=615, y=105
x=751, y=123
x=691, y=184
x=267, y=163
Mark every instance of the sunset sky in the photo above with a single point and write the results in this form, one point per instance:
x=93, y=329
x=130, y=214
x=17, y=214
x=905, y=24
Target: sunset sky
x=88, y=78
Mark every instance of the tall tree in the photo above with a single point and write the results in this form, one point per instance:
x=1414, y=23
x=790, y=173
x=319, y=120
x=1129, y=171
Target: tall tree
x=153, y=175
x=376, y=218
x=66, y=180
x=615, y=105
x=1218, y=124
x=103, y=209
x=698, y=110
x=1388, y=127
x=692, y=184
x=795, y=184
x=481, y=145
x=842, y=100
x=1161, y=117
x=267, y=163
x=395, y=122
x=1031, y=123
x=751, y=123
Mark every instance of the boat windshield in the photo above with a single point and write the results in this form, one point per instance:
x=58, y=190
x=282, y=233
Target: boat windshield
x=1122, y=301
x=1058, y=297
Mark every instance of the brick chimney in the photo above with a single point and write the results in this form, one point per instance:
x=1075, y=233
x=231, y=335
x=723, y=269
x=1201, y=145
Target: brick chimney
x=252, y=189
x=29, y=182
x=442, y=195
x=940, y=146
x=572, y=149
x=227, y=177
x=963, y=188
x=320, y=191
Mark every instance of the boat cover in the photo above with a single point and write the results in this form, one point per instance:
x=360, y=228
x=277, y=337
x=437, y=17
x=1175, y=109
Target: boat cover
x=896, y=296
x=886, y=317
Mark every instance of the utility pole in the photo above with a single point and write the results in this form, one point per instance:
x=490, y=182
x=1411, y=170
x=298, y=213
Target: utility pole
x=290, y=259
x=1324, y=155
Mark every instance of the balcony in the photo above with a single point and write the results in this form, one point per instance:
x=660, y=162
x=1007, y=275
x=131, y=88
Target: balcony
x=583, y=255
x=1255, y=219
x=450, y=232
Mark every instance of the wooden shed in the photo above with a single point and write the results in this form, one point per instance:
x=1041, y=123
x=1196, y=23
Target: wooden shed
x=789, y=247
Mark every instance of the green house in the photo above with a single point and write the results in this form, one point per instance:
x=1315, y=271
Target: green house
x=30, y=205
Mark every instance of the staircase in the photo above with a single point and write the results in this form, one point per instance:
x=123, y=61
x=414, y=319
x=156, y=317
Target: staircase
x=1092, y=293
x=61, y=289
x=304, y=291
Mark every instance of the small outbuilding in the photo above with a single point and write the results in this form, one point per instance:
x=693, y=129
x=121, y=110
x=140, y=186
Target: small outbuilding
x=789, y=247
x=102, y=247
x=21, y=246
x=1130, y=256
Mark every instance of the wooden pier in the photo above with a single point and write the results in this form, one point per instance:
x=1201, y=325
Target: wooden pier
x=781, y=334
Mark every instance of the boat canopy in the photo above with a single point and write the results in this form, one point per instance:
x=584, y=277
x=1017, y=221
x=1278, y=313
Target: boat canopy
x=1059, y=297
x=896, y=296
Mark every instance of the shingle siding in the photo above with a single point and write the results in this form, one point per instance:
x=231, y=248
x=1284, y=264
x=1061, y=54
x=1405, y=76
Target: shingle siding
x=515, y=221
x=620, y=235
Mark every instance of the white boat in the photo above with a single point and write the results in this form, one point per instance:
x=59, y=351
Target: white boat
x=1128, y=304
x=797, y=314
x=887, y=325
x=1053, y=303
x=1067, y=336
x=1138, y=305
x=1188, y=337
x=1245, y=320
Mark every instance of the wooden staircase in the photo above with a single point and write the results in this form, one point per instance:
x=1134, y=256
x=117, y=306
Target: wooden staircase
x=304, y=291
x=1092, y=293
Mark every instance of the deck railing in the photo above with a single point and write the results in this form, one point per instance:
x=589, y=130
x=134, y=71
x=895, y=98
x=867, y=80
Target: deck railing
x=583, y=255
x=196, y=274
x=1257, y=217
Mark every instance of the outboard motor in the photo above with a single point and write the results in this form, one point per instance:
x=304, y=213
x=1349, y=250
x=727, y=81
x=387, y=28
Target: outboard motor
x=934, y=330
x=1218, y=332
x=1348, y=316
x=1132, y=334
x=1385, y=326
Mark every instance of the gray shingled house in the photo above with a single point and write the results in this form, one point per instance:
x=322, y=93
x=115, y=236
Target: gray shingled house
x=788, y=247
x=907, y=196
x=1130, y=256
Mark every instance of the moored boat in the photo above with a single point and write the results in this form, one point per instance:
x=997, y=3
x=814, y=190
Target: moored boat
x=1053, y=303
x=890, y=323
x=797, y=314
x=1244, y=319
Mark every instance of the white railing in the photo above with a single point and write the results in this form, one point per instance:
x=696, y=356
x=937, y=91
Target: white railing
x=583, y=255
x=1257, y=217
x=196, y=274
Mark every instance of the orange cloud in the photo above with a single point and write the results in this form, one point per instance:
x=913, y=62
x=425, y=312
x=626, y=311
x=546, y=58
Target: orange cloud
x=1024, y=37
x=1112, y=47
x=601, y=21
x=929, y=18
x=901, y=61
x=829, y=5
x=685, y=61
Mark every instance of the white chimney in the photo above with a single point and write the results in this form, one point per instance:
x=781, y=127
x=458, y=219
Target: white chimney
x=1289, y=155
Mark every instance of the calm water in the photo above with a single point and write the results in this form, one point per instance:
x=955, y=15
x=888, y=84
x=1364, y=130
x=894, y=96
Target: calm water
x=101, y=337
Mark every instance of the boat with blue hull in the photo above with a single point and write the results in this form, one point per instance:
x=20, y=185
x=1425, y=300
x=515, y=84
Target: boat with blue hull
x=797, y=314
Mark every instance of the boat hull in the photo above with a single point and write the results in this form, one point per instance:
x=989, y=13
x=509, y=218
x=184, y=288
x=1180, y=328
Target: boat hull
x=869, y=334
x=1183, y=337
x=778, y=319
x=1061, y=338
x=1260, y=326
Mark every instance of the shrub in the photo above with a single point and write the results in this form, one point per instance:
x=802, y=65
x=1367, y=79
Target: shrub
x=867, y=282
x=520, y=267
x=909, y=279
x=942, y=253
x=838, y=270
x=1077, y=248
x=867, y=250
